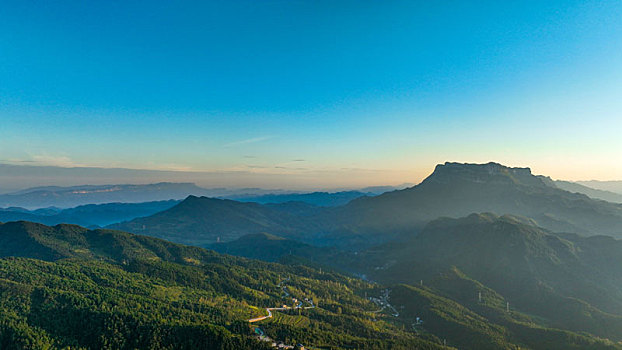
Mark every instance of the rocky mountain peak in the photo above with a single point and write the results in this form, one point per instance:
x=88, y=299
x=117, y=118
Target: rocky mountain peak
x=483, y=173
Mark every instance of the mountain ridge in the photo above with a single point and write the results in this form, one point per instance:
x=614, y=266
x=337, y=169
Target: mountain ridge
x=453, y=189
x=67, y=197
x=589, y=191
x=458, y=189
x=89, y=215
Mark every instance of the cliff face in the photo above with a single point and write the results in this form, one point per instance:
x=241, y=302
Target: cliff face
x=483, y=173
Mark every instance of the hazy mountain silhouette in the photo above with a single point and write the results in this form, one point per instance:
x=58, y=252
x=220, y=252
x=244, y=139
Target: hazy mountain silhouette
x=322, y=199
x=456, y=190
x=452, y=190
x=90, y=215
x=68, y=197
x=611, y=186
x=588, y=191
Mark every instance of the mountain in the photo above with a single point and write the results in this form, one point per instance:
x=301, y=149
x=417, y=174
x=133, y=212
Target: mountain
x=94, y=289
x=611, y=186
x=588, y=191
x=203, y=220
x=452, y=190
x=322, y=199
x=456, y=190
x=91, y=215
x=571, y=282
x=560, y=280
x=67, y=286
x=67, y=197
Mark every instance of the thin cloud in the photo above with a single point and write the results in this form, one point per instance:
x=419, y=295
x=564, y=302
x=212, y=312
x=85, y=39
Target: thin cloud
x=10, y=161
x=247, y=141
x=62, y=161
x=290, y=168
x=45, y=160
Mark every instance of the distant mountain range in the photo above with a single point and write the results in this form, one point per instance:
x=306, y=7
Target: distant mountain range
x=91, y=215
x=452, y=190
x=589, y=191
x=322, y=199
x=68, y=197
x=318, y=198
x=610, y=186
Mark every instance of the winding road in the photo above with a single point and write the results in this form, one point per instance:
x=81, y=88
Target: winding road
x=283, y=308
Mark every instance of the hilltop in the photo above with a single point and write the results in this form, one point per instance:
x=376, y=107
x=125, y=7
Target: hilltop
x=203, y=220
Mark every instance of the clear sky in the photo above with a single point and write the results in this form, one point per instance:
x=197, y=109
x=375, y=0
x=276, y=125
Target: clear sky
x=325, y=93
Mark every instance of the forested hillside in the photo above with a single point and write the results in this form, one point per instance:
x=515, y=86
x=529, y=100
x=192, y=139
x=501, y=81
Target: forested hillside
x=568, y=281
x=103, y=289
x=67, y=286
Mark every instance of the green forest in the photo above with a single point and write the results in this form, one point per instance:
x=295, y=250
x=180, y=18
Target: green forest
x=67, y=287
x=106, y=289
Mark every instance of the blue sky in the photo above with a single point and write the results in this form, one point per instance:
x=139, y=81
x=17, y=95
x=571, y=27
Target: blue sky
x=328, y=93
